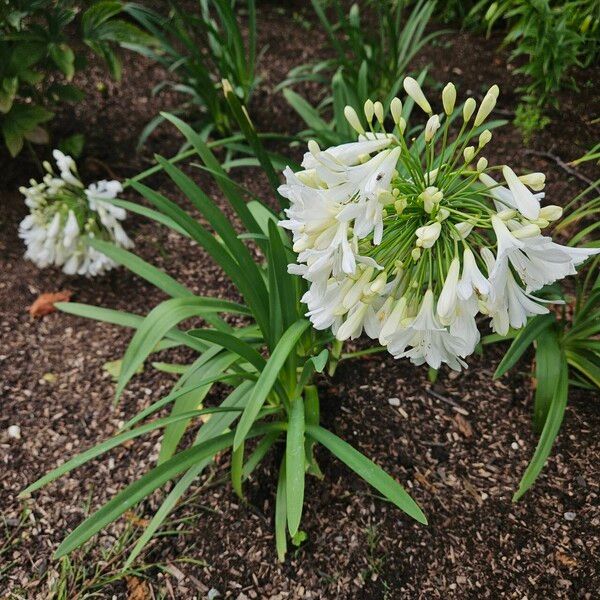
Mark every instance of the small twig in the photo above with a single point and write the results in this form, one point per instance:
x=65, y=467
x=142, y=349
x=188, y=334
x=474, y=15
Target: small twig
x=455, y=405
x=564, y=166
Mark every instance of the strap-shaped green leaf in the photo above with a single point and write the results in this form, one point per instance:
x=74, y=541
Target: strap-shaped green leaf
x=149, y=482
x=295, y=465
x=549, y=433
x=140, y=267
x=268, y=377
x=523, y=341
x=548, y=359
x=368, y=470
x=281, y=513
x=159, y=321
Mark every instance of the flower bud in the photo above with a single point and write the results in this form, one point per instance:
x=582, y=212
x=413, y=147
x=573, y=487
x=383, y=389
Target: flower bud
x=463, y=229
x=378, y=284
x=413, y=89
x=469, y=109
x=536, y=181
x=369, y=110
x=428, y=234
x=402, y=125
x=552, y=212
x=484, y=138
x=469, y=153
x=396, y=110
x=433, y=124
x=379, y=115
x=313, y=147
x=507, y=214
x=482, y=164
x=416, y=253
x=449, y=98
x=485, y=108
x=530, y=230
x=431, y=197
x=442, y=215
x=353, y=119
x=400, y=205
x=494, y=91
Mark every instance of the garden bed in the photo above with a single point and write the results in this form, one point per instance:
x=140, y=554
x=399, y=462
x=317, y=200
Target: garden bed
x=459, y=445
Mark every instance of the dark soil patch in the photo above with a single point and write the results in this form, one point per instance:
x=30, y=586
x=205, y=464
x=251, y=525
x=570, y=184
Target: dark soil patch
x=461, y=464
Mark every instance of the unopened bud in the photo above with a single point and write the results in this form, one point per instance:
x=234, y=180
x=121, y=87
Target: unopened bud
x=536, y=181
x=449, y=98
x=379, y=283
x=469, y=153
x=469, y=109
x=400, y=205
x=413, y=89
x=433, y=124
x=379, y=115
x=369, y=110
x=485, y=108
x=485, y=138
x=396, y=110
x=482, y=164
x=428, y=234
x=494, y=91
x=416, y=253
x=442, y=214
x=431, y=197
x=402, y=125
x=313, y=147
x=507, y=214
x=552, y=212
x=353, y=119
x=463, y=229
x=530, y=230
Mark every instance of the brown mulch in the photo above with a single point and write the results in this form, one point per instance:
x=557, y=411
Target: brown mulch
x=459, y=445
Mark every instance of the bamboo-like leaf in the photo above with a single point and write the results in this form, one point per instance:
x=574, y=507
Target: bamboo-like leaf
x=368, y=470
x=295, y=465
x=549, y=433
x=267, y=378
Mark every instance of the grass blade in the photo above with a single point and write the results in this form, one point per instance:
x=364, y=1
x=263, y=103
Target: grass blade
x=295, y=465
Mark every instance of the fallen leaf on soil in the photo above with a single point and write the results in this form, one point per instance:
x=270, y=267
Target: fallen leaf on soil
x=565, y=559
x=137, y=589
x=135, y=520
x=44, y=303
x=113, y=368
x=463, y=426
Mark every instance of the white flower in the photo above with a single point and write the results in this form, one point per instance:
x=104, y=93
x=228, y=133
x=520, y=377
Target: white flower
x=527, y=204
x=446, y=304
x=433, y=124
x=431, y=342
x=428, y=234
x=63, y=215
x=413, y=89
x=472, y=278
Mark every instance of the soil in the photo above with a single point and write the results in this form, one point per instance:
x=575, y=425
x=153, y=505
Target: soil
x=459, y=445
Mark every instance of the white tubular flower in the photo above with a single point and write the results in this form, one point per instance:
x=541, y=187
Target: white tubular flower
x=472, y=279
x=525, y=201
x=446, y=304
x=485, y=108
x=385, y=233
x=353, y=119
x=63, y=215
x=413, y=89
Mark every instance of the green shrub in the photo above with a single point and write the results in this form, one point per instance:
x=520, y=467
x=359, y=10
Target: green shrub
x=38, y=40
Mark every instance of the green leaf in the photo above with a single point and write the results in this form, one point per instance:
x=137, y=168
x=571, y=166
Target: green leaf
x=368, y=470
x=149, y=482
x=281, y=514
x=113, y=368
x=549, y=433
x=140, y=267
x=548, y=359
x=295, y=465
x=523, y=341
x=267, y=378
x=237, y=465
x=64, y=58
x=161, y=320
x=115, y=441
x=72, y=145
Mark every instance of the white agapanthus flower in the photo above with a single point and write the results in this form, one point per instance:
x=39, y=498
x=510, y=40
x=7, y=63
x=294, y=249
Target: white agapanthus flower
x=410, y=247
x=63, y=213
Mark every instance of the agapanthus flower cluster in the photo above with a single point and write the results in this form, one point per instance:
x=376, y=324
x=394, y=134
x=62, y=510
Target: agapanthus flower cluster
x=409, y=235
x=63, y=213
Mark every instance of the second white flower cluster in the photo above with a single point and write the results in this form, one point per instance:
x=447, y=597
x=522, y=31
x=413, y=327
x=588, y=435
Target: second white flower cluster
x=63, y=214
x=411, y=240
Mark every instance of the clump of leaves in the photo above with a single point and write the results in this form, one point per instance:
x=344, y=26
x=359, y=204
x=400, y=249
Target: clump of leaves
x=37, y=40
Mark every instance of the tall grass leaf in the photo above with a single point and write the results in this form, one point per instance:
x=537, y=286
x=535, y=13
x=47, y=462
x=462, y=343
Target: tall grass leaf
x=281, y=514
x=548, y=359
x=295, y=465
